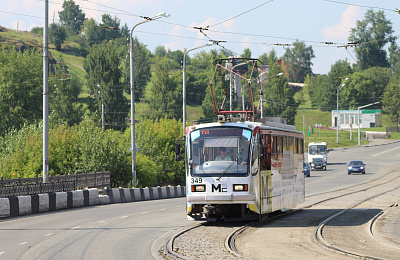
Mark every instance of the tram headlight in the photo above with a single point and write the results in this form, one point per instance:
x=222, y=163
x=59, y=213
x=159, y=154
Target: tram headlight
x=198, y=188
x=240, y=187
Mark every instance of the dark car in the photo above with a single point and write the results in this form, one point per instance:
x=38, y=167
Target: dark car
x=306, y=167
x=318, y=163
x=356, y=166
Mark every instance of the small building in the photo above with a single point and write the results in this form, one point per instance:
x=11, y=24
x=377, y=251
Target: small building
x=349, y=118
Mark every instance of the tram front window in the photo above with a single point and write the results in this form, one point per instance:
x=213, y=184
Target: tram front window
x=219, y=150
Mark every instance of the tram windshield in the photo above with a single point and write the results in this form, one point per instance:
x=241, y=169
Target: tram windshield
x=219, y=151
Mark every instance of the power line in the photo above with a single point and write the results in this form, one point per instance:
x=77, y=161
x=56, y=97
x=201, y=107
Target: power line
x=241, y=14
x=365, y=6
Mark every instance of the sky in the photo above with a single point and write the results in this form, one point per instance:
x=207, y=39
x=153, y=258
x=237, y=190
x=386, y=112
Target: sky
x=261, y=26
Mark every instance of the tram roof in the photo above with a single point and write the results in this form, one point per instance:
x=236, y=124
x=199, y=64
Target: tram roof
x=248, y=124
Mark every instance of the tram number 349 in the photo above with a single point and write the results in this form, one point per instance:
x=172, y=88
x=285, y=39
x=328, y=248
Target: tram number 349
x=197, y=180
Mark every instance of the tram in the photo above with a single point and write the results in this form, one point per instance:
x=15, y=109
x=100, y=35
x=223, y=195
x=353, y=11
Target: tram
x=241, y=169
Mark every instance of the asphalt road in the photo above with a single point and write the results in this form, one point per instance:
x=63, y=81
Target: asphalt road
x=116, y=231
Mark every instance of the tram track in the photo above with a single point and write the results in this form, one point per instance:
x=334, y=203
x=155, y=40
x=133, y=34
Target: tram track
x=230, y=239
x=318, y=232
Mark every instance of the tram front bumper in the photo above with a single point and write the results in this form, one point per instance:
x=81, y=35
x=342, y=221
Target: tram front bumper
x=221, y=198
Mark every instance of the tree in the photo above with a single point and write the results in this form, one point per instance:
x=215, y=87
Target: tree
x=71, y=16
x=108, y=33
x=324, y=92
x=298, y=61
x=21, y=88
x=57, y=35
x=371, y=35
x=246, y=53
x=364, y=87
x=279, y=97
x=164, y=95
x=142, y=69
x=37, y=30
x=103, y=79
x=391, y=99
x=339, y=71
x=64, y=105
x=91, y=33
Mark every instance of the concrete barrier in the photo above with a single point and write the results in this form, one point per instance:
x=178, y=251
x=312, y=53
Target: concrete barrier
x=24, y=204
x=61, y=200
x=94, y=197
x=44, y=202
x=114, y=194
x=4, y=207
x=77, y=198
x=104, y=199
x=19, y=205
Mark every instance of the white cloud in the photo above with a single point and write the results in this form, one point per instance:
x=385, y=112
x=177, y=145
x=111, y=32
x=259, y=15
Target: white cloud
x=246, y=42
x=340, y=31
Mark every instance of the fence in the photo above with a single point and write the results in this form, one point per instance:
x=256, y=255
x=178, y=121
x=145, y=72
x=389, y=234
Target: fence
x=58, y=183
x=392, y=129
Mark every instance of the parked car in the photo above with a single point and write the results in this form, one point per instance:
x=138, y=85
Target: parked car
x=356, y=166
x=318, y=163
x=306, y=169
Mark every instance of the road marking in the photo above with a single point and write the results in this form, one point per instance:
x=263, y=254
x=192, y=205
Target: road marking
x=124, y=216
x=144, y=212
x=101, y=222
x=23, y=243
x=179, y=206
x=76, y=227
x=50, y=234
x=162, y=209
x=2, y=253
x=385, y=151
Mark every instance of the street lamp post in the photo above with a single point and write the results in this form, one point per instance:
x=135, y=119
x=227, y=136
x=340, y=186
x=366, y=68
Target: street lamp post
x=184, y=81
x=133, y=143
x=337, y=110
x=359, y=120
x=102, y=108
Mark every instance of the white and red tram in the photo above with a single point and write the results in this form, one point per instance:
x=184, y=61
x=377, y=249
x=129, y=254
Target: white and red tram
x=261, y=170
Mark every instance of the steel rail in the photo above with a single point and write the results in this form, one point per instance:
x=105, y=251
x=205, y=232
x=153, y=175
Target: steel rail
x=318, y=237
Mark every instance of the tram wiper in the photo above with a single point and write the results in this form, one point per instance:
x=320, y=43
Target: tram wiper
x=227, y=168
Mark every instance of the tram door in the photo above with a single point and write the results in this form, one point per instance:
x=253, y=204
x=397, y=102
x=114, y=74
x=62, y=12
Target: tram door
x=265, y=170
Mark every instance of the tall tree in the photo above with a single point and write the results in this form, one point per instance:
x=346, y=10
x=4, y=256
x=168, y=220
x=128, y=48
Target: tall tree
x=91, y=33
x=298, y=61
x=103, y=79
x=164, y=95
x=142, y=69
x=364, y=87
x=64, y=105
x=391, y=99
x=324, y=92
x=371, y=36
x=108, y=21
x=71, y=16
x=21, y=88
x=57, y=35
x=246, y=53
x=279, y=97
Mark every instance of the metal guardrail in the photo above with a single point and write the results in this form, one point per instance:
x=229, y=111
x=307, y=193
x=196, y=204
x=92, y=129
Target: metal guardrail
x=58, y=183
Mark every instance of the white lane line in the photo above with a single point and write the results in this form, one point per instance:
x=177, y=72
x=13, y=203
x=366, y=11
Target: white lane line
x=23, y=243
x=144, y=212
x=76, y=227
x=162, y=209
x=50, y=234
x=179, y=206
x=2, y=253
x=124, y=216
x=101, y=222
x=385, y=151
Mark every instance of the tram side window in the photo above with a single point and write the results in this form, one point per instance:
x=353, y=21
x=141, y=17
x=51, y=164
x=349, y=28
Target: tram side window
x=265, y=160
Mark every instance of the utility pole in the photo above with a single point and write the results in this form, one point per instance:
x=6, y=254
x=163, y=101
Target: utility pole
x=45, y=93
